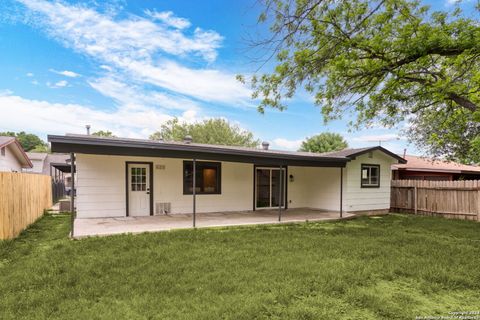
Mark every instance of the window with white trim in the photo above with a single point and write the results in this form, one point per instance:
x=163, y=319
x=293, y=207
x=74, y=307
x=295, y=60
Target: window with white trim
x=370, y=176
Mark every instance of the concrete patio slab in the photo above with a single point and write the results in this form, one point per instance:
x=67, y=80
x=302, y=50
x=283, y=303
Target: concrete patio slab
x=111, y=226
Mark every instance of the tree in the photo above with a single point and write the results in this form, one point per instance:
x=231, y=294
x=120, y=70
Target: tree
x=385, y=61
x=42, y=149
x=29, y=141
x=102, y=133
x=211, y=131
x=324, y=142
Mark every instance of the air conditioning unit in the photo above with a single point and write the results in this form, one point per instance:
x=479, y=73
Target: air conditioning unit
x=162, y=208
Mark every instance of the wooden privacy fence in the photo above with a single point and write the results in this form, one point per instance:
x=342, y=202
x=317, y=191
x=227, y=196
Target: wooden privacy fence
x=450, y=199
x=23, y=198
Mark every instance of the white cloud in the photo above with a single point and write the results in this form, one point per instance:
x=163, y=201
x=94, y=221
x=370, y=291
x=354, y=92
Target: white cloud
x=58, y=84
x=131, y=95
x=66, y=73
x=377, y=138
x=208, y=85
x=142, y=49
x=30, y=74
x=452, y=2
x=286, y=144
x=169, y=19
x=94, y=33
x=57, y=118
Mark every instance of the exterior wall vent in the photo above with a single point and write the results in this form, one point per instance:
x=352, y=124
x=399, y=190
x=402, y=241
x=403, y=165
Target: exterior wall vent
x=162, y=208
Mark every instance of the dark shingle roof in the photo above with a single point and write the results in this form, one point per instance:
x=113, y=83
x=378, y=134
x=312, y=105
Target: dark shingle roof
x=76, y=143
x=352, y=153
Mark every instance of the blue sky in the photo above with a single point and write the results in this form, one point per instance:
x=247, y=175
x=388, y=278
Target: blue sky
x=129, y=66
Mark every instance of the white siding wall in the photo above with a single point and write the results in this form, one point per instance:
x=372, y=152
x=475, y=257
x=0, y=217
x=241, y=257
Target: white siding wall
x=360, y=199
x=101, y=186
x=317, y=188
x=9, y=162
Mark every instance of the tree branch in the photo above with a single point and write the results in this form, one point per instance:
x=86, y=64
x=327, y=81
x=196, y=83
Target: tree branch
x=462, y=101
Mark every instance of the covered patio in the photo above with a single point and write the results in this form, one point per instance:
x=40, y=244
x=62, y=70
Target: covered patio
x=110, y=226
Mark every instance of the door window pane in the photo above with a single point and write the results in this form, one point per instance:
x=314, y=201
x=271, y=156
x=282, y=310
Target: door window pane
x=268, y=188
x=263, y=188
x=138, y=179
x=276, y=188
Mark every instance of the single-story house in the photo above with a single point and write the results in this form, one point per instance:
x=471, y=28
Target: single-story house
x=422, y=168
x=117, y=177
x=12, y=156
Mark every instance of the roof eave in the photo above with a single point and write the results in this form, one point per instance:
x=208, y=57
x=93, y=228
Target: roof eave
x=85, y=145
x=388, y=152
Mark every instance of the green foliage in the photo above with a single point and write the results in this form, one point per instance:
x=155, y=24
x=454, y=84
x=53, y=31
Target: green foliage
x=211, y=131
x=102, y=133
x=452, y=133
x=29, y=141
x=324, y=142
x=384, y=61
x=42, y=149
x=393, y=267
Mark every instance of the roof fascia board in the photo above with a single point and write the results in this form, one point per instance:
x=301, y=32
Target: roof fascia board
x=228, y=155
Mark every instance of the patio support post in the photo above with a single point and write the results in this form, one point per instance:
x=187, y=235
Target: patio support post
x=341, y=192
x=280, y=193
x=72, y=191
x=194, y=191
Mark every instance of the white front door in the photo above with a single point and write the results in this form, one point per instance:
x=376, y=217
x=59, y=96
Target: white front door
x=138, y=189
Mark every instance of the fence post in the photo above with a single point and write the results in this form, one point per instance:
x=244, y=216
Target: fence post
x=478, y=203
x=415, y=197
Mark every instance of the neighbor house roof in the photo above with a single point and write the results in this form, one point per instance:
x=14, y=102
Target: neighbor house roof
x=37, y=155
x=58, y=160
x=17, y=150
x=416, y=163
x=141, y=147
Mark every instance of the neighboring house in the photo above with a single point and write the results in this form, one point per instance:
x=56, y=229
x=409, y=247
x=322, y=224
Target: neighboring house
x=118, y=177
x=38, y=161
x=48, y=164
x=421, y=168
x=56, y=166
x=12, y=156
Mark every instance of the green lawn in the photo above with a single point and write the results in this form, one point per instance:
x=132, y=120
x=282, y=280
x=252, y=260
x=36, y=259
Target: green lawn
x=392, y=267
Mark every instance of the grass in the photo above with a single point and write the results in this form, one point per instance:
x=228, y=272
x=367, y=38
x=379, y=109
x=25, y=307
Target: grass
x=392, y=267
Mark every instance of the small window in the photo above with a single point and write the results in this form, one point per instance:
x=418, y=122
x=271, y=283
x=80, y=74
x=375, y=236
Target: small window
x=139, y=179
x=3, y=151
x=207, y=178
x=370, y=176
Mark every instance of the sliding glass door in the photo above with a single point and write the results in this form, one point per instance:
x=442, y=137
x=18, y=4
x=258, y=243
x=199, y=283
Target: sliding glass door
x=267, y=188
